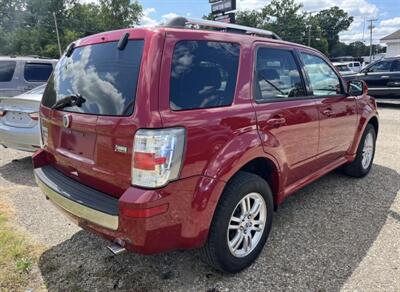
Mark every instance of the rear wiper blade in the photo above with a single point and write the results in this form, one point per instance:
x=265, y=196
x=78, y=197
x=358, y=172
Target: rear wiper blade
x=70, y=100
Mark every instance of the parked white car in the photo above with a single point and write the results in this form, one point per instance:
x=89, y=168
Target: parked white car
x=343, y=68
x=355, y=66
x=19, y=120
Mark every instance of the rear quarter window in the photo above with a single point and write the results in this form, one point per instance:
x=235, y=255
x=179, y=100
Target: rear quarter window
x=7, y=69
x=37, y=72
x=203, y=74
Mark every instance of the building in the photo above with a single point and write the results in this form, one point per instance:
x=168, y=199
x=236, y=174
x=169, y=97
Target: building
x=393, y=44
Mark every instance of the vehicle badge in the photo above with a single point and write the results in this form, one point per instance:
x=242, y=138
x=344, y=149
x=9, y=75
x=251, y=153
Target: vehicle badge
x=121, y=149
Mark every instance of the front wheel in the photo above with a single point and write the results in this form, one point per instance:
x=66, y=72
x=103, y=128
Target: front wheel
x=362, y=164
x=241, y=224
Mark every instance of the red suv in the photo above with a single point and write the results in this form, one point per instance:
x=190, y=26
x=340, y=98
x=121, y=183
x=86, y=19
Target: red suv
x=175, y=137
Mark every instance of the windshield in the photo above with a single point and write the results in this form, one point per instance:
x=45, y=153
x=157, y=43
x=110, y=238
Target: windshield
x=103, y=75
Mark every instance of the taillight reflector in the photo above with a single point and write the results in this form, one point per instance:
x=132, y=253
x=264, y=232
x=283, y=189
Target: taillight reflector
x=144, y=213
x=147, y=161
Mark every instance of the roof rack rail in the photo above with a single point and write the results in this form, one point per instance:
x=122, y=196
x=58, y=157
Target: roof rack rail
x=182, y=22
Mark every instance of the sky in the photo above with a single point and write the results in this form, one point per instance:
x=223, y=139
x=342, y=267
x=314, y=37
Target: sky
x=387, y=13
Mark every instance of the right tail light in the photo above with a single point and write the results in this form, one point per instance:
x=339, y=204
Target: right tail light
x=157, y=156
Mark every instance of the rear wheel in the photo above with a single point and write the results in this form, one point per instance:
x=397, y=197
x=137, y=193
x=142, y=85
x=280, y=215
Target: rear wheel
x=241, y=224
x=362, y=164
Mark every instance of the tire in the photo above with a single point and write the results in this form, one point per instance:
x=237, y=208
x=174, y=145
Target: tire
x=358, y=168
x=217, y=251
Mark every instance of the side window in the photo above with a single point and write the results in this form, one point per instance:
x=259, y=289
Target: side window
x=277, y=75
x=323, y=79
x=37, y=72
x=7, y=69
x=382, y=66
x=396, y=66
x=203, y=74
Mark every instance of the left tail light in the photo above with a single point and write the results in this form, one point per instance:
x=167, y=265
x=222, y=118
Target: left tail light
x=157, y=156
x=34, y=116
x=2, y=113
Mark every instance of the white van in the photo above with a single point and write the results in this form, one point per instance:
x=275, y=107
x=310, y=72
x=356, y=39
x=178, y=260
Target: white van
x=21, y=74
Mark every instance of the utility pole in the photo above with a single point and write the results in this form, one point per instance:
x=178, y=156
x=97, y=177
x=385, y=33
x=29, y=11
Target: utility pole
x=309, y=29
x=371, y=27
x=309, y=26
x=58, y=35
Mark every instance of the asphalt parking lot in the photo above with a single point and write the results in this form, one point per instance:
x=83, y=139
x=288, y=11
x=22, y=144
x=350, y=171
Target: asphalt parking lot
x=336, y=234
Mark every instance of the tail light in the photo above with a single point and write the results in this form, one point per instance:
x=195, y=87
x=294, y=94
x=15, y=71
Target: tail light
x=2, y=113
x=44, y=134
x=157, y=156
x=34, y=116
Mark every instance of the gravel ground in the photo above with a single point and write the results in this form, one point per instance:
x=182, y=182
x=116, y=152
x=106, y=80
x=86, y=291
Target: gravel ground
x=336, y=234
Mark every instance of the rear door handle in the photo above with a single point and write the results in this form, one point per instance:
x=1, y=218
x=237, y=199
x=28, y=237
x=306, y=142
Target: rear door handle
x=385, y=77
x=327, y=112
x=276, y=122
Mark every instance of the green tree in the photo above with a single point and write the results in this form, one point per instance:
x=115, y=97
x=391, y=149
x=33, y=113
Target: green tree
x=251, y=18
x=285, y=18
x=333, y=21
x=115, y=14
x=27, y=26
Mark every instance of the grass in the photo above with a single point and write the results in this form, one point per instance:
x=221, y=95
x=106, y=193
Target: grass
x=17, y=256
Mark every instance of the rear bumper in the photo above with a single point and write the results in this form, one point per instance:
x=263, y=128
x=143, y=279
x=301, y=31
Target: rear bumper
x=184, y=224
x=77, y=199
x=26, y=139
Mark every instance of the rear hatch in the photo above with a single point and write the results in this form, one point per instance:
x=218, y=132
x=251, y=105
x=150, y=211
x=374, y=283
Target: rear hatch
x=91, y=140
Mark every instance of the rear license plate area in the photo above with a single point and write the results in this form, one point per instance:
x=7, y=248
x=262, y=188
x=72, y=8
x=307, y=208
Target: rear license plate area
x=78, y=143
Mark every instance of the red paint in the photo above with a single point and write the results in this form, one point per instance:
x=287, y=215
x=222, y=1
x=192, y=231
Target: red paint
x=300, y=139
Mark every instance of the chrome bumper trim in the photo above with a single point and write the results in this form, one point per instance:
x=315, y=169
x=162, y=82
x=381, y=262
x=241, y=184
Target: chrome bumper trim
x=78, y=210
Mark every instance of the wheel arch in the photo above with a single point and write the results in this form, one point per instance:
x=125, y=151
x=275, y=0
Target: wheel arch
x=375, y=123
x=364, y=121
x=266, y=169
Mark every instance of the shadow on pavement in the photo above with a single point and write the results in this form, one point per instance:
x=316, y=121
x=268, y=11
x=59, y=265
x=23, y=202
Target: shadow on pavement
x=19, y=171
x=319, y=236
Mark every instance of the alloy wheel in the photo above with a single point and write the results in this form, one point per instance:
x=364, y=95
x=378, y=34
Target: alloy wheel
x=246, y=225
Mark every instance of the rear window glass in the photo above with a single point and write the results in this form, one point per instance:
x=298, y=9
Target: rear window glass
x=203, y=74
x=104, y=76
x=7, y=69
x=37, y=72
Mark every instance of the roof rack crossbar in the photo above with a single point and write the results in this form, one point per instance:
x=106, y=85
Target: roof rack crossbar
x=182, y=22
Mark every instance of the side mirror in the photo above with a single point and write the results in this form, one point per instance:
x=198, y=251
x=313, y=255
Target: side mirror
x=357, y=87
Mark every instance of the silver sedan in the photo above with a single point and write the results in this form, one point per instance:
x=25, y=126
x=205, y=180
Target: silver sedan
x=19, y=120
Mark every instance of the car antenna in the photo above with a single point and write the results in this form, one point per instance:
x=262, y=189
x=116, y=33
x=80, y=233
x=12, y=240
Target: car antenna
x=123, y=41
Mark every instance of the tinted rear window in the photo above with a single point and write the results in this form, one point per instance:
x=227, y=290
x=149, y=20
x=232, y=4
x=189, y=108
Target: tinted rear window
x=203, y=74
x=37, y=72
x=7, y=69
x=103, y=75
